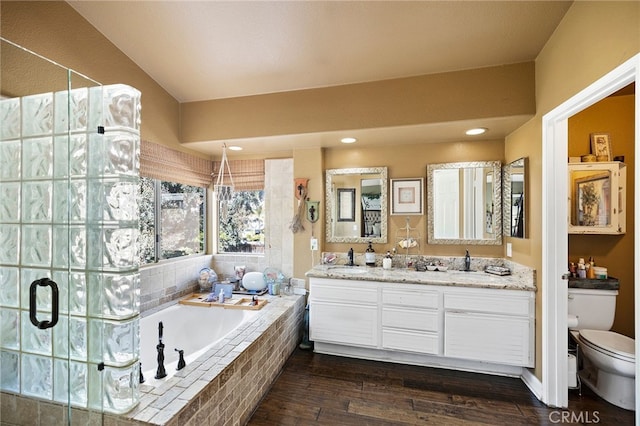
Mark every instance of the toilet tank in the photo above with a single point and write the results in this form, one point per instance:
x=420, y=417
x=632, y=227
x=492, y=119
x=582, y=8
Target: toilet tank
x=595, y=309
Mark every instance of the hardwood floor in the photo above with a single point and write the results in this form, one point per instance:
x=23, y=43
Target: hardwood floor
x=315, y=389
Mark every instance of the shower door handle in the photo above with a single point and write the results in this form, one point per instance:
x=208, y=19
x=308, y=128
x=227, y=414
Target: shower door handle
x=43, y=282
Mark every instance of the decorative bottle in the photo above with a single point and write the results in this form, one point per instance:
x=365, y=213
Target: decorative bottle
x=221, y=296
x=387, y=262
x=370, y=256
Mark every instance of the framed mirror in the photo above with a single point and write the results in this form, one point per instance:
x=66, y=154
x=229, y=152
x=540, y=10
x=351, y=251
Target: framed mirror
x=356, y=205
x=514, y=179
x=464, y=203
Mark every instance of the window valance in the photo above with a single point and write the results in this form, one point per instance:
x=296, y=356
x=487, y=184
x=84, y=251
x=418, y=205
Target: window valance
x=160, y=162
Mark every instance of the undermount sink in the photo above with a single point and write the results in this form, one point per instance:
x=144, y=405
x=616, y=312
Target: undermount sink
x=347, y=270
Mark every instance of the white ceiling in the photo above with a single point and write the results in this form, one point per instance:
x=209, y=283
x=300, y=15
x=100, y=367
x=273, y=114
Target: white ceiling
x=200, y=50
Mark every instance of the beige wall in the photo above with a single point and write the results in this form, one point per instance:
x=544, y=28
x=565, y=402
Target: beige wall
x=614, y=115
x=56, y=31
x=575, y=56
x=455, y=96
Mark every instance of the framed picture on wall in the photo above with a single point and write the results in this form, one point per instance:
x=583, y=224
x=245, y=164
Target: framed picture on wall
x=601, y=146
x=407, y=196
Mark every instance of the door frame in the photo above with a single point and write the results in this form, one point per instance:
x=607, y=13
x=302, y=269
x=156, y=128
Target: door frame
x=554, y=229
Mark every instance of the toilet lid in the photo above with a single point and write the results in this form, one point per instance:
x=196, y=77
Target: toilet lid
x=610, y=341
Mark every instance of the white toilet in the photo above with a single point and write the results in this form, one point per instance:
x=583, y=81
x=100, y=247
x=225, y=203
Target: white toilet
x=609, y=358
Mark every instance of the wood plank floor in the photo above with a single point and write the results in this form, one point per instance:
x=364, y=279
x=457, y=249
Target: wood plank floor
x=316, y=389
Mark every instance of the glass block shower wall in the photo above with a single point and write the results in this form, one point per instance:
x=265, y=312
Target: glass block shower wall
x=69, y=166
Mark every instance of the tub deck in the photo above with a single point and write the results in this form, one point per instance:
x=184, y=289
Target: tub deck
x=224, y=385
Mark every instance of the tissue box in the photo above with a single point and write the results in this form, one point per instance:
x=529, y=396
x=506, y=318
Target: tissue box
x=228, y=290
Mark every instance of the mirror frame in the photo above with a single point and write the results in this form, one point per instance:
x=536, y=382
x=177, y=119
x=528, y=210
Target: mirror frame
x=506, y=196
x=497, y=203
x=329, y=202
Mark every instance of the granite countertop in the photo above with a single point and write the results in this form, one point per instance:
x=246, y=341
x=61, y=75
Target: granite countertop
x=610, y=283
x=518, y=280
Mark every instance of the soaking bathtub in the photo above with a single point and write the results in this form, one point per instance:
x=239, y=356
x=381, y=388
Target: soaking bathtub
x=192, y=329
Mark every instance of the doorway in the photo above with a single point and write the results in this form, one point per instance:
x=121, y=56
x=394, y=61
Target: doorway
x=554, y=228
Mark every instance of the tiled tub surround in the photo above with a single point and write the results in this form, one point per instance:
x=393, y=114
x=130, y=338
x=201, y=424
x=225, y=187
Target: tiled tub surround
x=521, y=278
x=225, y=384
x=222, y=387
x=170, y=280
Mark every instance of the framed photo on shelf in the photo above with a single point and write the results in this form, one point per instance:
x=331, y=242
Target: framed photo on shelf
x=346, y=204
x=407, y=196
x=601, y=145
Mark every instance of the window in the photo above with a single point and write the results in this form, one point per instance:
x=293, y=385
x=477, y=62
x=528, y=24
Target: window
x=241, y=223
x=172, y=220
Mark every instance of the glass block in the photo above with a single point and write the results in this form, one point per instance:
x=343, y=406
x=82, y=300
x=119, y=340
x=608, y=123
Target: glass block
x=115, y=107
x=9, y=244
x=37, y=115
x=73, y=292
x=10, y=206
x=70, y=201
x=37, y=376
x=96, y=390
x=113, y=200
x=9, y=287
x=37, y=158
x=70, y=246
x=113, y=342
x=113, y=295
x=10, y=118
x=43, y=294
x=70, y=382
x=70, y=338
x=37, y=197
x=36, y=245
x=72, y=110
x=35, y=340
x=114, y=154
x=10, y=153
x=121, y=391
x=70, y=155
x=10, y=328
x=9, y=371
x=112, y=249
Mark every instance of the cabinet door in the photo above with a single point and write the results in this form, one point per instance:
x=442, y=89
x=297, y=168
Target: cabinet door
x=345, y=323
x=490, y=338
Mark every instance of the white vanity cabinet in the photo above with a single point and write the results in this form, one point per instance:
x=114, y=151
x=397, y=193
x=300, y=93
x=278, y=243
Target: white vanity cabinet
x=490, y=325
x=411, y=319
x=472, y=328
x=343, y=312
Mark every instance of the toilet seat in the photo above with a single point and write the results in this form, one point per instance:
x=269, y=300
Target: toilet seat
x=609, y=342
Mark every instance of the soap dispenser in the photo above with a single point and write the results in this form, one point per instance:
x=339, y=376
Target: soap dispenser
x=370, y=256
x=387, y=262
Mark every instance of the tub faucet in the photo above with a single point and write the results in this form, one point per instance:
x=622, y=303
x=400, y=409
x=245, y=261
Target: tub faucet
x=160, y=372
x=181, y=363
x=350, y=256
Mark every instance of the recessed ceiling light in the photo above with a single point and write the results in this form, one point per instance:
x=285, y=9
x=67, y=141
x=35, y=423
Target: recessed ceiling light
x=348, y=140
x=235, y=148
x=476, y=131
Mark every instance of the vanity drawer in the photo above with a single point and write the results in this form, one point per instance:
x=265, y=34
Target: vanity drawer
x=411, y=341
x=409, y=318
x=343, y=291
x=414, y=298
x=505, y=302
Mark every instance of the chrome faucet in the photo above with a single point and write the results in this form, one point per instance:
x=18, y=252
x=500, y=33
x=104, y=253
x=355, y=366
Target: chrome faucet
x=350, y=256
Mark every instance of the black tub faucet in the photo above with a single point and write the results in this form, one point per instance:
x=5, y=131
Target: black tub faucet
x=160, y=372
x=181, y=363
